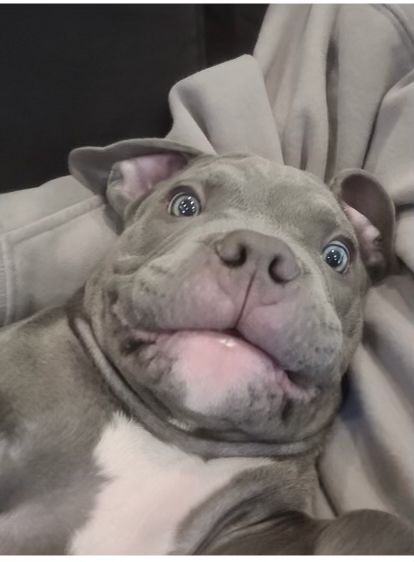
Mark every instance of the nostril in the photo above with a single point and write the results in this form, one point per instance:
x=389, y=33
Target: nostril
x=232, y=255
x=273, y=271
x=240, y=257
x=283, y=269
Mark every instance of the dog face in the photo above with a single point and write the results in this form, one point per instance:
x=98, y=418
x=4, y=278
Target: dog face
x=233, y=296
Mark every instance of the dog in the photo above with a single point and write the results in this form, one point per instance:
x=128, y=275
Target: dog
x=179, y=402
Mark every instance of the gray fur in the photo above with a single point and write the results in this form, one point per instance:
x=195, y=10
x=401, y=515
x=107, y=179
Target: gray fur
x=64, y=372
x=53, y=406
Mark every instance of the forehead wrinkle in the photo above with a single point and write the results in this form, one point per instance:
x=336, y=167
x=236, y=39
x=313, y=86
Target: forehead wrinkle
x=238, y=170
x=225, y=174
x=331, y=216
x=330, y=220
x=303, y=208
x=212, y=176
x=304, y=196
x=277, y=185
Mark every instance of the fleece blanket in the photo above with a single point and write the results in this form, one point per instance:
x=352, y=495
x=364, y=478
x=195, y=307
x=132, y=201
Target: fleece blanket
x=329, y=87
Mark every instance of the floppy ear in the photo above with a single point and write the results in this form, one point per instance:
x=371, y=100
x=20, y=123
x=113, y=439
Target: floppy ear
x=132, y=178
x=371, y=212
x=126, y=170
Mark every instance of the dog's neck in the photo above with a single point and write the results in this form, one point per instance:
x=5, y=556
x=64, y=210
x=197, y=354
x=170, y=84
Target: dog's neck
x=161, y=422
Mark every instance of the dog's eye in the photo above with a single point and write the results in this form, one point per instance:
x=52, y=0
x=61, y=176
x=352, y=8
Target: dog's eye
x=184, y=205
x=337, y=256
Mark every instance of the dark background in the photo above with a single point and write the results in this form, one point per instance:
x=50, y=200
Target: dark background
x=74, y=75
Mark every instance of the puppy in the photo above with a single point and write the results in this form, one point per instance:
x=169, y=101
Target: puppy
x=178, y=403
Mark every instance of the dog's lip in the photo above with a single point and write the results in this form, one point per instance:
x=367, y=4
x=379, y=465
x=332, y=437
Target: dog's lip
x=294, y=385
x=294, y=379
x=235, y=334
x=297, y=379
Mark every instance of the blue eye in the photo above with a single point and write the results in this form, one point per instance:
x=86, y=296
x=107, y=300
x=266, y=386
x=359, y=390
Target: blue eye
x=184, y=205
x=337, y=256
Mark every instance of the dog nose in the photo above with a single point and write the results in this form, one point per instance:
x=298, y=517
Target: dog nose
x=241, y=247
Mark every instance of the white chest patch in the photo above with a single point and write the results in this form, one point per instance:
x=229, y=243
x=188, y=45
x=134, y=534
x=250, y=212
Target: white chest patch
x=152, y=488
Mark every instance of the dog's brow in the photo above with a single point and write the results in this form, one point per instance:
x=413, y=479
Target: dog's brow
x=227, y=174
x=328, y=219
x=212, y=179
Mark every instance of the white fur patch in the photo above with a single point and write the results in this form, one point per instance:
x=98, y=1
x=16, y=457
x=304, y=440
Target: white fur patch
x=152, y=488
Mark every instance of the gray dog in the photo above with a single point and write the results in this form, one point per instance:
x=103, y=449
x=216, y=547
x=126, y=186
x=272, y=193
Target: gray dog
x=179, y=402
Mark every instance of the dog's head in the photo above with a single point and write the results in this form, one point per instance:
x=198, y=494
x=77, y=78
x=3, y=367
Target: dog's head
x=234, y=293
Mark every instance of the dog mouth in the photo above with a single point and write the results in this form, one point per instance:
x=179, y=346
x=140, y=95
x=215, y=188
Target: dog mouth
x=227, y=358
x=297, y=379
x=223, y=358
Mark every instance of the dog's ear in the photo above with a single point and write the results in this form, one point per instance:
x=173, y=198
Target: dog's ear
x=372, y=214
x=129, y=179
x=126, y=170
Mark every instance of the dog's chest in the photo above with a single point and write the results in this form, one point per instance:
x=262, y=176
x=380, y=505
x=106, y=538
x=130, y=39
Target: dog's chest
x=151, y=488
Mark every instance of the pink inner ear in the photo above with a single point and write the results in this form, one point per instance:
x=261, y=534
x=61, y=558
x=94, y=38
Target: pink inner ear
x=369, y=237
x=139, y=175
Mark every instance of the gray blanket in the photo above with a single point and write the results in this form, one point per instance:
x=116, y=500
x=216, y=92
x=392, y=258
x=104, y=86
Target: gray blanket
x=329, y=87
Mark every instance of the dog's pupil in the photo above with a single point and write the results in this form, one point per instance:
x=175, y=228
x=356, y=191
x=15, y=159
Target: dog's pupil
x=187, y=206
x=334, y=257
